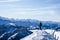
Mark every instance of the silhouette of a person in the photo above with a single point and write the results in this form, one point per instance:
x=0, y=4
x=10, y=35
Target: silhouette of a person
x=40, y=26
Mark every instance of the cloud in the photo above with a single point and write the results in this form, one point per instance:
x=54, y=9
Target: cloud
x=20, y=11
x=9, y=0
x=33, y=13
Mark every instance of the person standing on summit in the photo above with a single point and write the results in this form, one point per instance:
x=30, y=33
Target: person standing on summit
x=40, y=26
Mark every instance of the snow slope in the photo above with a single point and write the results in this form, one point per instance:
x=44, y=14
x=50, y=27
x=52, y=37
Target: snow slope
x=30, y=36
x=56, y=33
x=40, y=35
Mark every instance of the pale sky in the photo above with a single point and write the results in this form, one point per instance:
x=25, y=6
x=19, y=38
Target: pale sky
x=45, y=10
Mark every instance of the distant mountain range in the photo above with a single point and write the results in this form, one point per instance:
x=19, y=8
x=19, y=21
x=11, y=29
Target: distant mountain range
x=30, y=23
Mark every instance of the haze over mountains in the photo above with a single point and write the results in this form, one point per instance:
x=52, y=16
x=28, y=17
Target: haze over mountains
x=30, y=23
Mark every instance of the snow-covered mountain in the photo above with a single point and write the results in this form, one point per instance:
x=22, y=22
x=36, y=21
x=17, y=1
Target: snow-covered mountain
x=30, y=23
x=41, y=35
x=17, y=29
x=13, y=33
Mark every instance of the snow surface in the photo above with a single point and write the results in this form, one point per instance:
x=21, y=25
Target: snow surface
x=11, y=24
x=57, y=33
x=30, y=36
x=37, y=35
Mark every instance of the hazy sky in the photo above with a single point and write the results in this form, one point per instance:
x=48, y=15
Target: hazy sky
x=31, y=9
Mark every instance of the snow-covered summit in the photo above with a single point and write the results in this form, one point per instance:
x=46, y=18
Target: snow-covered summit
x=39, y=35
x=43, y=35
x=11, y=24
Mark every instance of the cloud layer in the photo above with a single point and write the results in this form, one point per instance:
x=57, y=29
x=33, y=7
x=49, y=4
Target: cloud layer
x=31, y=9
x=8, y=0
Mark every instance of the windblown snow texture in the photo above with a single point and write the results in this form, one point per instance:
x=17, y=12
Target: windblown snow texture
x=40, y=35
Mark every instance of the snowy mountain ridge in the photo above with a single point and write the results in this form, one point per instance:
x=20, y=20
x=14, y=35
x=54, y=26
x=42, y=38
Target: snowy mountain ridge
x=41, y=35
x=30, y=23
